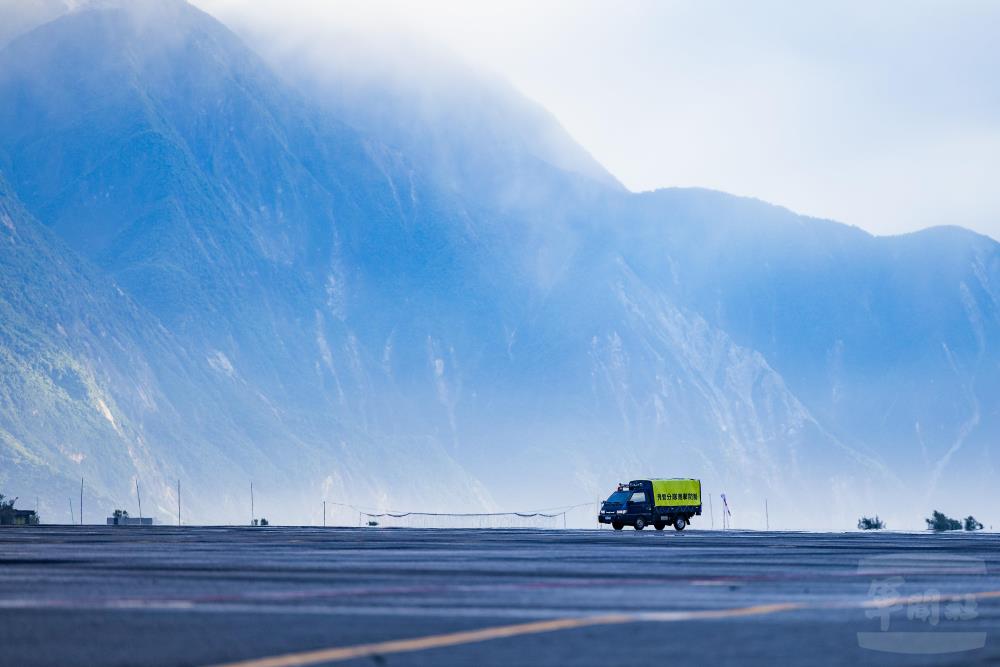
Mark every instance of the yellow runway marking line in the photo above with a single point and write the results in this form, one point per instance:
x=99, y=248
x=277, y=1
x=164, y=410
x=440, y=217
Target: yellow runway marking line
x=304, y=658
x=500, y=632
x=712, y=614
x=432, y=641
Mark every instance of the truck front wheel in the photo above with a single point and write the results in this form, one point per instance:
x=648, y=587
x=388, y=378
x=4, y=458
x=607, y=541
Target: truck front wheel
x=639, y=524
x=617, y=525
x=679, y=523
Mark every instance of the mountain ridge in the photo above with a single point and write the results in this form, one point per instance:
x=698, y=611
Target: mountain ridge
x=373, y=323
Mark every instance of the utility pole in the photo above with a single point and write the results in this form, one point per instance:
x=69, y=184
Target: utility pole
x=72, y=517
x=139, y=498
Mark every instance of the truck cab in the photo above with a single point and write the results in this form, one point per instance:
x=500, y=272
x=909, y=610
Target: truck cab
x=656, y=502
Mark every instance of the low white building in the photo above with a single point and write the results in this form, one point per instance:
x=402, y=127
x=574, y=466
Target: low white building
x=126, y=520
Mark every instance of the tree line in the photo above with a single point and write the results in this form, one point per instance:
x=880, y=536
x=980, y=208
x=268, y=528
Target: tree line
x=938, y=522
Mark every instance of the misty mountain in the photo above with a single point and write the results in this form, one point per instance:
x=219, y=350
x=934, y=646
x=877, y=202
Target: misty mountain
x=890, y=341
x=411, y=289
x=92, y=384
x=886, y=340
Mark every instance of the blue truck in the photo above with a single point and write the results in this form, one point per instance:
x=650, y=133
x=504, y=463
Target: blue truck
x=652, y=502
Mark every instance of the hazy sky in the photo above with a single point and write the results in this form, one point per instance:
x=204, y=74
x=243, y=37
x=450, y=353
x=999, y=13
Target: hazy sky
x=884, y=115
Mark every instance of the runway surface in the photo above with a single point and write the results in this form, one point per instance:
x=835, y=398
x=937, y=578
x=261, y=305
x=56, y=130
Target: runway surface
x=276, y=597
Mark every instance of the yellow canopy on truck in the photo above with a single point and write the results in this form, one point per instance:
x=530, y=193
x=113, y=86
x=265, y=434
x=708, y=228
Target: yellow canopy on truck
x=676, y=492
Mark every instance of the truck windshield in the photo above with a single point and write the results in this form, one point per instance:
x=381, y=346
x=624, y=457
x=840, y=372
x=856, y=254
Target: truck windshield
x=618, y=497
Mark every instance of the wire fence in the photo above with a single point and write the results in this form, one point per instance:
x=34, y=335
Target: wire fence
x=553, y=517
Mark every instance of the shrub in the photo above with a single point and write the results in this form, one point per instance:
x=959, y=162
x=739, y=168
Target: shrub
x=7, y=509
x=972, y=524
x=868, y=523
x=939, y=522
x=8, y=515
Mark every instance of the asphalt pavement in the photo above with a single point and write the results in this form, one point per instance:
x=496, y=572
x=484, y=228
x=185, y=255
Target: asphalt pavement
x=282, y=596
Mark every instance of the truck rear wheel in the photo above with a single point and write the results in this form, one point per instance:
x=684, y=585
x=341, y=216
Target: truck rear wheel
x=659, y=525
x=679, y=523
x=639, y=524
x=617, y=525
